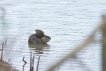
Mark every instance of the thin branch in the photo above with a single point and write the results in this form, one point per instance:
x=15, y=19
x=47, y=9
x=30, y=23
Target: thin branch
x=5, y=41
x=24, y=64
x=77, y=48
x=24, y=61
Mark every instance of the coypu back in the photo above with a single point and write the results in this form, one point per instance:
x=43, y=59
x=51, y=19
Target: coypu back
x=34, y=39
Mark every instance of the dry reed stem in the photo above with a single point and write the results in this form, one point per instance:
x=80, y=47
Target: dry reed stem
x=77, y=48
x=37, y=68
x=31, y=62
x=23, y=67
x=2, y=51
x=104, y=45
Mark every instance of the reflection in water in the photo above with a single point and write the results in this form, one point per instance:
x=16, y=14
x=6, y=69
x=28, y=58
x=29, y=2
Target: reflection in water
x=39, y=48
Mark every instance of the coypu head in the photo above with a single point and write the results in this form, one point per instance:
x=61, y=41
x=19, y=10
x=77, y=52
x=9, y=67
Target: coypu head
x=39, y=33
x=45, y=39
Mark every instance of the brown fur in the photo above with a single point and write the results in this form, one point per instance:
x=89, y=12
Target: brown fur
x=39, y=37
x=45, y=39
x=40, y=33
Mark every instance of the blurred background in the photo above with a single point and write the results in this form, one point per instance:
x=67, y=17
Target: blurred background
x=67, y=22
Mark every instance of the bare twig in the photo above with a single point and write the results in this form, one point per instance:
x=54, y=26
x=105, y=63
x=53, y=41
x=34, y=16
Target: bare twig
x=24, y=61
x=23, y=67
x=77, y=48
x=38, y=64
x=5, y=42
x=2, y=51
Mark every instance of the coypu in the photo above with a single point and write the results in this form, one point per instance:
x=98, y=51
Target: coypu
x=39, y=37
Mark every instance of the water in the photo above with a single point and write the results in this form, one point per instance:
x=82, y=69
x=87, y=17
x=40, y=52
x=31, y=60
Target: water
x=67, y=22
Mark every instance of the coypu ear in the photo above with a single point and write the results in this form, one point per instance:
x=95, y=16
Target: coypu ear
x=36, y=30
x=40, y=33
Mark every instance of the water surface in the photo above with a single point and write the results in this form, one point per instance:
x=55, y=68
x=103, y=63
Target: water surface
x=68, y=23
